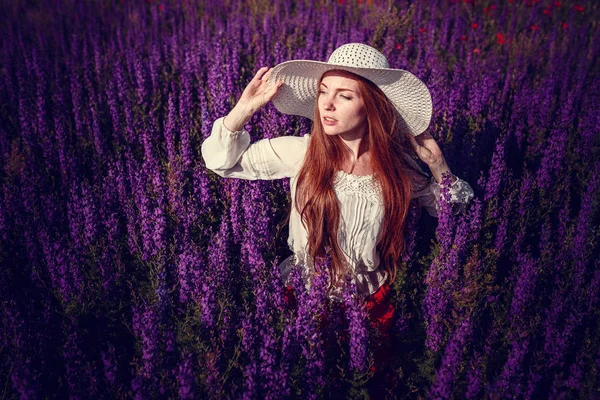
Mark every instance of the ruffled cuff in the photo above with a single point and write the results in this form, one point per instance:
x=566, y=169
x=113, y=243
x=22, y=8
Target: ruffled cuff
x=233, y=134
x=223, y=148
x=461, y=194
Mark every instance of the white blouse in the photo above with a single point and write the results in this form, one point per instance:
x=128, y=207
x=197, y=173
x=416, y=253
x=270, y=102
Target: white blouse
x=231, y=155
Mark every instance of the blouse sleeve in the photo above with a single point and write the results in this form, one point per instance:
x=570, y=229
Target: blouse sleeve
x=427, y=190
x=231, y=155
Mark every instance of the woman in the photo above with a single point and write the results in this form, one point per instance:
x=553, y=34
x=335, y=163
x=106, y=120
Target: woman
x=351, y=178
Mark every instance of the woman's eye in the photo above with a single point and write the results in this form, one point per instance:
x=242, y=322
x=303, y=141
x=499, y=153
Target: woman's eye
x=346, y=97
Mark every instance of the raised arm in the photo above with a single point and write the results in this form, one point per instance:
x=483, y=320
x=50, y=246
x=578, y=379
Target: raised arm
x=228, y=151
x=427, y=190
x=231, y=155
x=254, y=97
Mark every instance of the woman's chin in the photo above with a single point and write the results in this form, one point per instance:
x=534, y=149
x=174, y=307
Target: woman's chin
x=331, y=132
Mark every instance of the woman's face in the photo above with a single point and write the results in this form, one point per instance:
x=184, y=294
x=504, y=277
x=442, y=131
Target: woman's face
x=341, y=106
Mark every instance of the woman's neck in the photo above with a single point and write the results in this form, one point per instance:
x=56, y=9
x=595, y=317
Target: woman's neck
x=356, y=143
x=362, y=166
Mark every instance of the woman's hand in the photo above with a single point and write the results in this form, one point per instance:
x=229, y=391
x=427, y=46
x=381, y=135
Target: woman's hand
x=426, y=148
x=258, y=93
x=430, y=153
x=254, y=97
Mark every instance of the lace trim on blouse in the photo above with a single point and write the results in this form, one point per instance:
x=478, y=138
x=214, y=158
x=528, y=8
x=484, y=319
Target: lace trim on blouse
x=364, y=186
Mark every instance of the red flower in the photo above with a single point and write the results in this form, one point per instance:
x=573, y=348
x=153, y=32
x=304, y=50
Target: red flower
x=564, y=25
x=534, y=27
x=578, y=8
x=557, y=4
x=463, y=37
x=492, y=7
x=474, y=25
x=341, y=1
x=500, y=38
x=410, y=39
x=547, y=11
x=360, y=1
x=511, y=1
x=476, y=50
x=485, y=10
x=423, y=29
x=160, y=7
x=398, y=46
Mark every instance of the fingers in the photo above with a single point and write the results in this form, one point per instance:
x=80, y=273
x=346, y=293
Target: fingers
x=276, y=87
x=425, y=139
x=267, y=75
x=259, y=73
x=273, y=89
x=425, y=136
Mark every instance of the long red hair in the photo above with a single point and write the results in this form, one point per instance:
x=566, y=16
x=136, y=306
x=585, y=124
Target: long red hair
x=315, y=198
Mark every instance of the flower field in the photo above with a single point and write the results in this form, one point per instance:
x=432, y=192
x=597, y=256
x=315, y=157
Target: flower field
x=129, y=270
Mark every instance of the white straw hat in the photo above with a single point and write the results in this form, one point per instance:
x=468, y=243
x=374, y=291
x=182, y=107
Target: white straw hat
x=407, y=93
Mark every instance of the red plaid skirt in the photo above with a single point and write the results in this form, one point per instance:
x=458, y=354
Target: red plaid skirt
x=381, y=314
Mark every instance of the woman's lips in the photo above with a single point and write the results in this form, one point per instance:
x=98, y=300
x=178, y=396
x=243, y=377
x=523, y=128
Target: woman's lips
x=329, y=121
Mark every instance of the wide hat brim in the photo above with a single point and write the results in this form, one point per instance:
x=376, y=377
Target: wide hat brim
x=298, y=95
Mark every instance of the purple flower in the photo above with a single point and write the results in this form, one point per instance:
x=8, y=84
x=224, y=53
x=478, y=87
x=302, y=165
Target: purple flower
x=110, y=367
x=358, y=331
x=497, y=170
x=453, y=354
x=443, y=277
x=185, y=377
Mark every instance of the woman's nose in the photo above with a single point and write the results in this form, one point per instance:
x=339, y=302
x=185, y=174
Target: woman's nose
x=328, y=104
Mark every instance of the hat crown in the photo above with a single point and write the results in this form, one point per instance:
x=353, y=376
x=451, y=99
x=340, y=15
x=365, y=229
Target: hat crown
x=358, y=55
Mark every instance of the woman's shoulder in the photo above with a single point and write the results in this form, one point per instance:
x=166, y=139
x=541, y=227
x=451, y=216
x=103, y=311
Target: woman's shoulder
x=305, y=139
x=290, y=150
